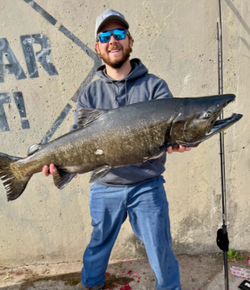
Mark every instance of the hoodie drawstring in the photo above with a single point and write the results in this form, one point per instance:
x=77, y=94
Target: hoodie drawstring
x=126, y=92
x=113, y=85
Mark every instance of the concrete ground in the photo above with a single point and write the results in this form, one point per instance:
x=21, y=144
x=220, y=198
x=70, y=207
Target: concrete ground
x=198, y=272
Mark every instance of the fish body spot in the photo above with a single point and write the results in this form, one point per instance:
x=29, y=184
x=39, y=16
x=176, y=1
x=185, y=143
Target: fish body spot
x=99, y=152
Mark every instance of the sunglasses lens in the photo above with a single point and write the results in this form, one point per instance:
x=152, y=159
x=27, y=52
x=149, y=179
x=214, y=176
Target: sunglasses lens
x=104, y=36
x=119, y=34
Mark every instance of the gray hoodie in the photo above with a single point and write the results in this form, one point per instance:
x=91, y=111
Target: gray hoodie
x=106, y=93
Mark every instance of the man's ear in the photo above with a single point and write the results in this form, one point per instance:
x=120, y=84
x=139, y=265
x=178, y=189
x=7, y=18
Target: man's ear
x=97, y=48
x=131, y=42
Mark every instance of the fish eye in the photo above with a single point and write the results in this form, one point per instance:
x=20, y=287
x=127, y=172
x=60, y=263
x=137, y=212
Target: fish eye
x=208, y=114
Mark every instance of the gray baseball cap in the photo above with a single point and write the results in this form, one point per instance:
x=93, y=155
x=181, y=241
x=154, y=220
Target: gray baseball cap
x=108, y=16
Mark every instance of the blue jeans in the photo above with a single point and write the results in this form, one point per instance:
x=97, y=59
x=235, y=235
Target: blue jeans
x=147, y=207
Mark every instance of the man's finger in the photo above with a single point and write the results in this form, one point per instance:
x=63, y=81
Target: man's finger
x=45, y=170
x=170, y=150
x=181, y=149
x=52, y=169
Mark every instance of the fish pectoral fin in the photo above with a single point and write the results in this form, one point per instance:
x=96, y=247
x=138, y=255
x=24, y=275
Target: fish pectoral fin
x=87, y=116
x=100, y=172
x=61, y=178
x=159, y=153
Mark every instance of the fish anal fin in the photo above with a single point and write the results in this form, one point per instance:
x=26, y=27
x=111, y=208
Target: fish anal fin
x=61, y=178
x=100, y=172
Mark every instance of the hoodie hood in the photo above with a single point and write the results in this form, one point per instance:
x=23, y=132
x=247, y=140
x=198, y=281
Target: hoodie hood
x=138, y=69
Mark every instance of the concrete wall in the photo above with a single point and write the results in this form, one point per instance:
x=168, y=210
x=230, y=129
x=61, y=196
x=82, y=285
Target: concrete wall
x=47, y=56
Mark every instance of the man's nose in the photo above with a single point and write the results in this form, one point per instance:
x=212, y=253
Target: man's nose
x=112, y=39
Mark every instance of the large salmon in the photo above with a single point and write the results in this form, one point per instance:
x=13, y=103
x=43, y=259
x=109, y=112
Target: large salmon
x=127, y=135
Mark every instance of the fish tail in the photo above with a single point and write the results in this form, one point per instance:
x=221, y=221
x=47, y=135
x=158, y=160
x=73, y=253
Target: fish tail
x=14, y=186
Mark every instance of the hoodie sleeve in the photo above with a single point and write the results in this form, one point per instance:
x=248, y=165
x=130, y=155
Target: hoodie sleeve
x=79, y=105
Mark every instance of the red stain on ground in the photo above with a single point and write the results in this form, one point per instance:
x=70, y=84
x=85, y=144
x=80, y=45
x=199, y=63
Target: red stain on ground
x=125, y=287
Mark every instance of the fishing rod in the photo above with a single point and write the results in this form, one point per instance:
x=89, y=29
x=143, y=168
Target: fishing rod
x=222, y=235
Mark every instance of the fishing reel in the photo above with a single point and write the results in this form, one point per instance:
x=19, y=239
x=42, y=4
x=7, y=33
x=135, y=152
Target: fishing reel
x=245, y=285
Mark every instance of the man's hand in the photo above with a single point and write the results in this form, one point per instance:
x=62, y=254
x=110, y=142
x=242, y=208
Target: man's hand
x=49, y=170
x=180, y=149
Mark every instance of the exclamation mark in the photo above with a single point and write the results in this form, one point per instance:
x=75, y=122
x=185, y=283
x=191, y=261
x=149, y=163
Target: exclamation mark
x=18, y=97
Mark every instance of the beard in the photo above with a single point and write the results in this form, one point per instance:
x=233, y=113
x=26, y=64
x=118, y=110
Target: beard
x=117, y=63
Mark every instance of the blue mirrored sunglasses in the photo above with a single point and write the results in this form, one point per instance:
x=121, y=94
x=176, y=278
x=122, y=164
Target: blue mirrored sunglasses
x=118, y=33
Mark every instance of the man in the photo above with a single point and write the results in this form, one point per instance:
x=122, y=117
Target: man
x=135, y=190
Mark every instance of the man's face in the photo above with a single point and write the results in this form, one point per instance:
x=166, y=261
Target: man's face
x=115, y=52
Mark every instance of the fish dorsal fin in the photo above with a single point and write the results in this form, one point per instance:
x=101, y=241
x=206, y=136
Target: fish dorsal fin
x=87, y=116
x=34, y=148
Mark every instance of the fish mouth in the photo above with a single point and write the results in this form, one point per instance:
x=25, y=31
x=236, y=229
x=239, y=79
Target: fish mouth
x=217, y=127
x=217, y=124
x=222, y=124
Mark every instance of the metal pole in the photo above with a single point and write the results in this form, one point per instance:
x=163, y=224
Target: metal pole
x=222, y=154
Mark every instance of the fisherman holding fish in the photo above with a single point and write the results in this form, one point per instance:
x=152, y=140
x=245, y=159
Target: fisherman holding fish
x=136, y=190
x=125, y=122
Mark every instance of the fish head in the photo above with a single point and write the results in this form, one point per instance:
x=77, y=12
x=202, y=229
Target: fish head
x=199, y=119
